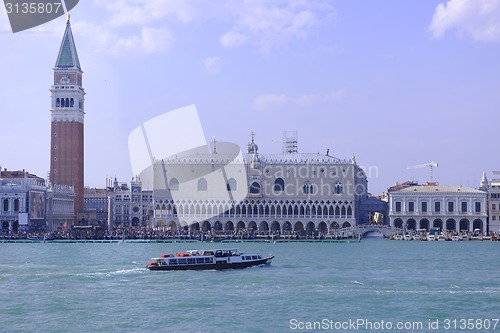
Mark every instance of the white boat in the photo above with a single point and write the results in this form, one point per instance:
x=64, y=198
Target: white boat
x=441, y=238
x=407, y=237
x=207, y=259
x=455, y=238
x=431, y=238
x=416, y=237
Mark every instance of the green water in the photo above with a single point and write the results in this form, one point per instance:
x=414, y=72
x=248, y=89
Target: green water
x=106, y=288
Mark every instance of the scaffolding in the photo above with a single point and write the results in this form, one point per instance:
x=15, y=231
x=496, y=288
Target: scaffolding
x=290, y=142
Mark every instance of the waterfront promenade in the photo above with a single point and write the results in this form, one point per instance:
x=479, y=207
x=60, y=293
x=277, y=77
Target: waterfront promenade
x=147, y=235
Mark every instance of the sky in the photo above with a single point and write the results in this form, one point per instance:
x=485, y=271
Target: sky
x=395, y=83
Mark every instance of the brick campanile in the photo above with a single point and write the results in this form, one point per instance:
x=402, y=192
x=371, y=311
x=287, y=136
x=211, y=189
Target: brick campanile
x=67, y=113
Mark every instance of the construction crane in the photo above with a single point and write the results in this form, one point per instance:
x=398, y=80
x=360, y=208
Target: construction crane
x=429, y=165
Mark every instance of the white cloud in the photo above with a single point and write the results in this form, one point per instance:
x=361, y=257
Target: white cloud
x=271, y=101
x=478, y=19
x=233, y=39
x=140, y=12
x=265, y=23
x=149, y=40
x=271, y=23
x=275, y=101
x=212, y=65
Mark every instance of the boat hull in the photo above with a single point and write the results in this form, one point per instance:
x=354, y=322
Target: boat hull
x=219, y=265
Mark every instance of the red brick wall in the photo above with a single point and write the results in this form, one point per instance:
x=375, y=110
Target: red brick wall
x=66, y=157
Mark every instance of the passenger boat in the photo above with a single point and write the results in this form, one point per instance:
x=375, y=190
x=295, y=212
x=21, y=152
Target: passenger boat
x=207, y=259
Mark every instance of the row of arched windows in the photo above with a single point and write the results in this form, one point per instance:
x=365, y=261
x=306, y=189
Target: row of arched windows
x=65, y=102
x=339, y=210
x=6, y=204
x=264, y=226
x=255, y=188
x=231, y=185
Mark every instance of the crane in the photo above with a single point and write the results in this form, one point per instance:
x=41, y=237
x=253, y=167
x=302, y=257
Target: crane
x=429, y=165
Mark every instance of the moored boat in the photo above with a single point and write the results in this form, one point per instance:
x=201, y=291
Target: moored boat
x=207, y=259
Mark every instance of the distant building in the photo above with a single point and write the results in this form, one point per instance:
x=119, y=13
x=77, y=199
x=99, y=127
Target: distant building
x=432, y=206
x=60, y=207
x=96, y=202
x=129, y=206
x=493, y=189
x=287, y=193
x=22, y=201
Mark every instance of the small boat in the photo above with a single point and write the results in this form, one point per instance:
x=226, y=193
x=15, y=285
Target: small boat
x=407, y=237
x=207, y=259
x=455, y=238
x=431, y=238
x=416, y=237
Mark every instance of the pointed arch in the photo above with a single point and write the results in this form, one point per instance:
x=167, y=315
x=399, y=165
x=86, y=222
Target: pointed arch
x=202, y=184
x=232, y=185
x=264, y=226
x=279, y=185
x=255, y=188
x=173, y=184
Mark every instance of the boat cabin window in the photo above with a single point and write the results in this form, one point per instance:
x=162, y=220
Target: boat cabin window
x=172, y=262
x=200, y=260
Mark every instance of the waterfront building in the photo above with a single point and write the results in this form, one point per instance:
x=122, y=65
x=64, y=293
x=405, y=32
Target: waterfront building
x=67, y=117
x=96, y=204
x=60, y=207
x=129, y=205
x=286, y=193
x=452, y=208
x=22, y=201
x=493, y=189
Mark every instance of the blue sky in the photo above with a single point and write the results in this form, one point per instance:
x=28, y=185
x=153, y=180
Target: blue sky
x=397, y=83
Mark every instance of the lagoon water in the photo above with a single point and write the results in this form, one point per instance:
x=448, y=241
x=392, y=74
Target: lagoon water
x=54, y=287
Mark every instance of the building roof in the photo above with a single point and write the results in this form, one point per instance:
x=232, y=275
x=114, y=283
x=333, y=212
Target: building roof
x=442, y=189
x=17, y=174
x=68, y=57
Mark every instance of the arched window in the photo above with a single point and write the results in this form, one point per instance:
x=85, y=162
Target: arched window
x=5, y=205
x=58, y=103
x=279, y=185
x=67, y=102
x=16, y=205
x=232, y=185
x=173, y=184
x=71, y=102
x=255, y=188
x=308, y=188
x=202, y=184
x=338, y=188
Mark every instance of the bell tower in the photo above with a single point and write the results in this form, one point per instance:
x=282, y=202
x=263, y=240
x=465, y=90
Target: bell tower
x=67, y=113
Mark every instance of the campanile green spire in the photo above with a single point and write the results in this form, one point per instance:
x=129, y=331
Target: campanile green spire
x=68, y=57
